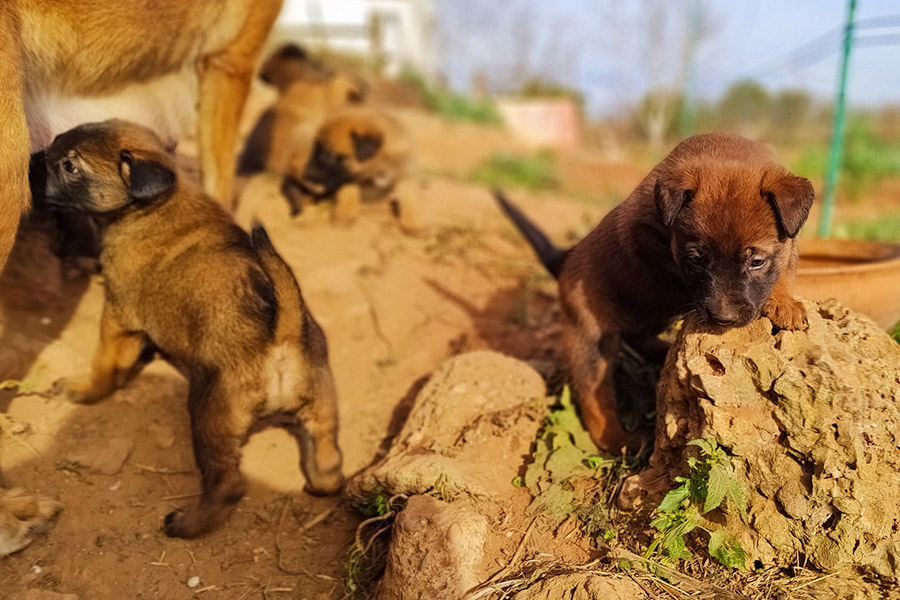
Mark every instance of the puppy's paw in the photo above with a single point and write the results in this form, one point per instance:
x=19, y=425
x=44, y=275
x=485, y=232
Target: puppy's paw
x=23, y=517
x=178, y=525
x=75, y=389
x=786, y=313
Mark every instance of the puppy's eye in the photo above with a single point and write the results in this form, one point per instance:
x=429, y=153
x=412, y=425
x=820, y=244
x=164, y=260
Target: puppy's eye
x=70, y=167
x=758, y=262
x=695, y=260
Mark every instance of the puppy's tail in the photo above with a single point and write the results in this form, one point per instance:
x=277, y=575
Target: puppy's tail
x=291, y=308
x=550, y=256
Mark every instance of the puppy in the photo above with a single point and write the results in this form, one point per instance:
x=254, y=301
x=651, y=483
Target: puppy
x=291, y=63
x=287, y=129
x=709, y=232
x=65, y=63
x=182, y=280
x=359, y=154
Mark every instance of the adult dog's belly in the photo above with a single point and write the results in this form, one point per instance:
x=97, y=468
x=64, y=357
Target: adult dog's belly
x=166, y=104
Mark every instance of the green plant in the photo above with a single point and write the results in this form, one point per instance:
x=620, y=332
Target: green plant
x=885, y=228
x=710, y=483
x=532, y=172
x=567, y=475
x=895, y=332
x=452, y=105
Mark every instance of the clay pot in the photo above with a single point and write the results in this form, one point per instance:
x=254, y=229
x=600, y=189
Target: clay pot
x=865, y=276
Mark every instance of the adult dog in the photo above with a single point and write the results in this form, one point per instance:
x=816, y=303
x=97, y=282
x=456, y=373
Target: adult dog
x=67, y=62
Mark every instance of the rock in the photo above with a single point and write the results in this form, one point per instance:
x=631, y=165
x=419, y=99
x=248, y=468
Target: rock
x=582, y=586
x=42, y=595
x=465, y=439
x=477, y=405
x=436, y=551
x=811, y=420
x=105, y=459
x=163, y=435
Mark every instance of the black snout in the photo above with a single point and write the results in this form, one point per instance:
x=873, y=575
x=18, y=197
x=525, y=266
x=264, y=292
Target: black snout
x=37, y=178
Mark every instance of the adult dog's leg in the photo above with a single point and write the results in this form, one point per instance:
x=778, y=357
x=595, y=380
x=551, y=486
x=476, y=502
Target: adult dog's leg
x=225, y=78
x=15, y=149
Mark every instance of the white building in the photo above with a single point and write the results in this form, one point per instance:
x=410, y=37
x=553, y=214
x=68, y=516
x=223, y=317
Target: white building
x=398, y=33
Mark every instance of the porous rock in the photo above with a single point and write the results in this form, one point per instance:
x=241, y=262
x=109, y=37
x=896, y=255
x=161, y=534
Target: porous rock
x=436, y=551
x=582, y=586
x=811, y=420
x=467, y=432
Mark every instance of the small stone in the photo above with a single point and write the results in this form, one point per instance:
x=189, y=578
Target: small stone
x=193, y=582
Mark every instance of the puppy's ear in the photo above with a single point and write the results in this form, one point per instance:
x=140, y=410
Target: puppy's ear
x=790, y=197
x=670, y=200
x=365, y=145
x=145, y=179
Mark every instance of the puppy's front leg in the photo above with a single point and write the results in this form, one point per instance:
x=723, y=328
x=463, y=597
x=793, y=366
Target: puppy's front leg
x=592, y=360
x=117, y=360
x=347, y=204
x=405, y=206
x=782, y=308
x=218, y=428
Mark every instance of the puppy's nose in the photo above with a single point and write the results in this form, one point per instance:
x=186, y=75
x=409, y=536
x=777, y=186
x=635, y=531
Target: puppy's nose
x=725, y=317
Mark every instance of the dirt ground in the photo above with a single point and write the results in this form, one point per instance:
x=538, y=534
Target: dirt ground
x=393, y=306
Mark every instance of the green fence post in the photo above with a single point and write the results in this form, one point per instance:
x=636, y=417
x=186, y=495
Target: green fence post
x=837, y=135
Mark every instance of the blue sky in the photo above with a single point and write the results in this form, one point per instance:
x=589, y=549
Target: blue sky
x=602, y=46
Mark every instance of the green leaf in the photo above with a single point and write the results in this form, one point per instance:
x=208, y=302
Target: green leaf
x=707, y=446
x=736, y=498
x=720, y=479
x=675, y=548
x=662, y=522
x=726, y=549
x=673, y=499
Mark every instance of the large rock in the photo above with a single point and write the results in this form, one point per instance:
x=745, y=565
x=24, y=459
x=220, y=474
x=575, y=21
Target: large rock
x=467, y=433
x=436, y=552
x=812, y=422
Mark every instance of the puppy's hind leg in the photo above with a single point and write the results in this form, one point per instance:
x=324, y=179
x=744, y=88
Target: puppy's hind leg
x=317, y=430
x=218, y=429
x=119, y=357
x=316, y=435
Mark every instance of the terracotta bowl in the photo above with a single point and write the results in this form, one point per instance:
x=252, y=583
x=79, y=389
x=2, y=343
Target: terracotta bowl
x=864, y=276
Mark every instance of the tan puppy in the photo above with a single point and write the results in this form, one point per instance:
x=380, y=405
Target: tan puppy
x=64, y=62
x=710, y=233
x=183, y=280
x=289, y=64
x=359, y=154
x=308, y=93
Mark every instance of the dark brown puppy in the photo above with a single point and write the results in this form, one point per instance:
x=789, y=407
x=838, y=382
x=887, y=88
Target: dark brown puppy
x=183, y=280
x=710, y=232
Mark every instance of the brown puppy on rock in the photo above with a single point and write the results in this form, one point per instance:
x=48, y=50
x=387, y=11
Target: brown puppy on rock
x=183, y=280
x=709, y=233
x=359, y=154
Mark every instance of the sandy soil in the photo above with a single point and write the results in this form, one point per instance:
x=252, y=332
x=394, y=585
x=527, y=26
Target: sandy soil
x=394, y=307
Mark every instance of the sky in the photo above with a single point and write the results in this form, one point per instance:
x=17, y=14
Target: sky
x=610, y=50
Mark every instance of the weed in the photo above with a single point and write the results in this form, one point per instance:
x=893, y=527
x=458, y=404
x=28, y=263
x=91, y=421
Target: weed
x=567, y=475
x=532, y=172
x=885, y=228
x=452, y=105
x=362, y=567
x=709, y=483
x=895, y=332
